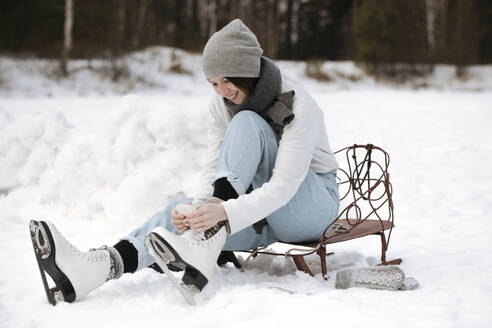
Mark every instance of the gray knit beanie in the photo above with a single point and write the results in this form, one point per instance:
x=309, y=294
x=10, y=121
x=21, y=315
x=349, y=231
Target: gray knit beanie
x=233, y=51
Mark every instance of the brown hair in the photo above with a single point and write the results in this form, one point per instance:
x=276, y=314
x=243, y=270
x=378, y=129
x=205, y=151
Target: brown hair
x=245, y=83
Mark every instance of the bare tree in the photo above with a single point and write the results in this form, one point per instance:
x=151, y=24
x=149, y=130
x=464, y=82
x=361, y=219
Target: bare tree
x=203, y=17
x=436, y=26
x=67, y=35
x=465, y=38
x=355, y=6
x=436, y=12
x=180, y=11
x=212, y=16
x=117, y=66
x=142, y=12
x=235, y=4
x=288, y=36
x=256, y=19
x=294, y=37
x=430, y=9
x=121, y=26
x=195, y=26
x=272, y=28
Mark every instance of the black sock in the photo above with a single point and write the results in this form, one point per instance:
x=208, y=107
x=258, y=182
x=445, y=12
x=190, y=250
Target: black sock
x=224, y=190
x=129, y=255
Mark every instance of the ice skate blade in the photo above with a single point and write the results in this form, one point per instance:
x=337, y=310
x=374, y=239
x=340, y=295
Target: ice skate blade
x=192, y=276
x=155, y=246
x=161, y=249
x=378, y=277
x=45, y=252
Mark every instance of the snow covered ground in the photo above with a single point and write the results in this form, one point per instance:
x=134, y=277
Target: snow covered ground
x=100, y=164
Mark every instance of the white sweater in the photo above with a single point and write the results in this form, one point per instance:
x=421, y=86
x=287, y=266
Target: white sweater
x=304, y=144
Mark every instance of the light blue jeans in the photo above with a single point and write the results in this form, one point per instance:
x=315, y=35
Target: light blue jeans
x=247, y=157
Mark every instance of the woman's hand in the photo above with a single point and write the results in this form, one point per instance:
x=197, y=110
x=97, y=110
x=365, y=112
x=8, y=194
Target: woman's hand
x=178, y=220
x=205, y=217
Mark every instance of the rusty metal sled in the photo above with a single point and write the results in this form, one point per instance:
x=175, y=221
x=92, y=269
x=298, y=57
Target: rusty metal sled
x=366, y=203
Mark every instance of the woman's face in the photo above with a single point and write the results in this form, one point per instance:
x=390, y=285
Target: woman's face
x=227, y=89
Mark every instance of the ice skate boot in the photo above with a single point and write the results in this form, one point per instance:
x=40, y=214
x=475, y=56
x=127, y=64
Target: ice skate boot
x=376, y=277
x=196, y=252
x=74, y=273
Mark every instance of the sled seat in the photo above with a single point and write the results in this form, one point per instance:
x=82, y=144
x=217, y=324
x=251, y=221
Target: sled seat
x=366, y=203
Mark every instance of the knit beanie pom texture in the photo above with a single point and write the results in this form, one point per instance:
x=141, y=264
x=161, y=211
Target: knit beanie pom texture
x=234, y=51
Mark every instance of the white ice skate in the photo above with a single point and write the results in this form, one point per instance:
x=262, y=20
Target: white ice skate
x=190, y=251
x=74, y=273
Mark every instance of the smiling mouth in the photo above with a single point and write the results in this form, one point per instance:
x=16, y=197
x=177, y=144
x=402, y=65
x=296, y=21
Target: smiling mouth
x=234, y=96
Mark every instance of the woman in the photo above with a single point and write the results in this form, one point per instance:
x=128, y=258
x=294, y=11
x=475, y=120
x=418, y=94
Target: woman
x=266, y=135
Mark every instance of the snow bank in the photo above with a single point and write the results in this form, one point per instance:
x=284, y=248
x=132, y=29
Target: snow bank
x=139, y=159
x=157, y=69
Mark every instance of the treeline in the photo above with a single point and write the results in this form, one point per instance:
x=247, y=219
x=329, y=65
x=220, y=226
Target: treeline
x=378, y=31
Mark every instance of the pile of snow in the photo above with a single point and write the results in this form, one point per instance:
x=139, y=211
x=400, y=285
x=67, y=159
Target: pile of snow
x=153, y=69
x=158, y=69
x=133, y=161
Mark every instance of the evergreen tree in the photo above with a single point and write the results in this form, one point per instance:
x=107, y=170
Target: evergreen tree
x=390, y=31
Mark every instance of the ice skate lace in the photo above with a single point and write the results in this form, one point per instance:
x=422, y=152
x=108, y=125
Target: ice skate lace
x=195, y=238
x=91, y=256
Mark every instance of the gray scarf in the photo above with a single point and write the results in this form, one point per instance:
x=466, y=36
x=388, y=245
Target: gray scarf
x=266, y=99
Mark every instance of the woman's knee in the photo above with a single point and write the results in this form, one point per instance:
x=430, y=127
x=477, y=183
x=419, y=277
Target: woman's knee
x=249, y=121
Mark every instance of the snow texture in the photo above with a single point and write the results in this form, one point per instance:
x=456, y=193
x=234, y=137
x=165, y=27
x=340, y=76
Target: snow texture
x=99, y=165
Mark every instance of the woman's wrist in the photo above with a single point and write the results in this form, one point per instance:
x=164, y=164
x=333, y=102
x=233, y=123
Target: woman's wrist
x=225, y=219
x=224, y=216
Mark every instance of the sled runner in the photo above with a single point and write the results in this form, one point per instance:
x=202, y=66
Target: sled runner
x=366, y=203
